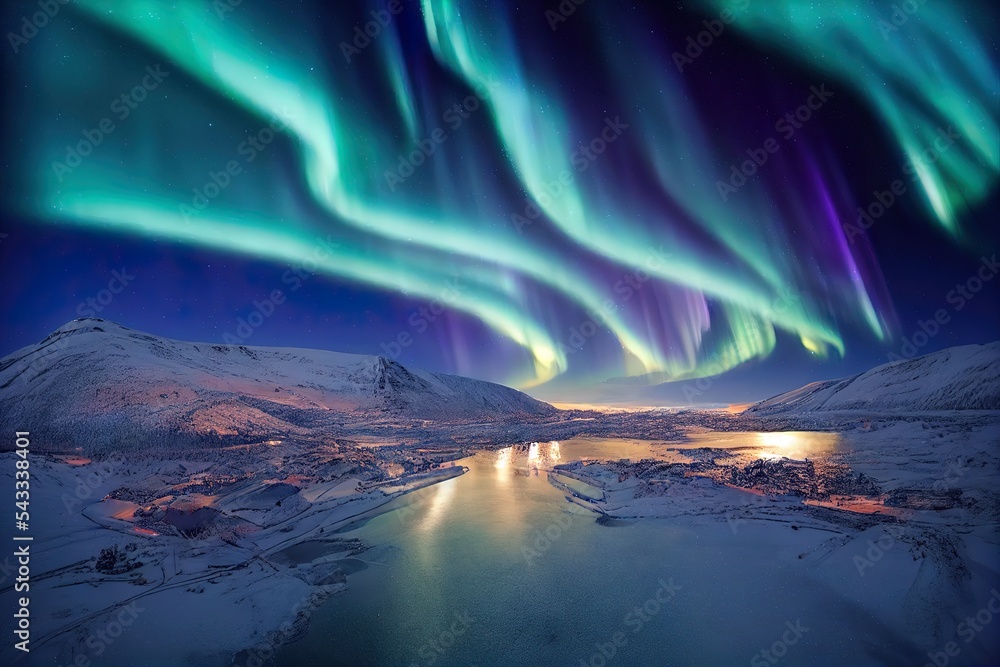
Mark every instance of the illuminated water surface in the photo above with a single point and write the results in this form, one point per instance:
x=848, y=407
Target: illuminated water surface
x=474, y=548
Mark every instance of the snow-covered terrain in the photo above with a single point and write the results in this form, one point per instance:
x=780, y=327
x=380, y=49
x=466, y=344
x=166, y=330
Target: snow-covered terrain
x=956, y=378
x=207, y=487
x=882, y=488
x=169, y=476
x=130, y=554
x=102, y=386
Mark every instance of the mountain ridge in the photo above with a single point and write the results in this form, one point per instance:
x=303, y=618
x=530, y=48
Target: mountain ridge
x=91, y=373
x=965, y=377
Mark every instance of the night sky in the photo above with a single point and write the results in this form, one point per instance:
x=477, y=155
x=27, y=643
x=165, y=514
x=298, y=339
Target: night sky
x=497, y=189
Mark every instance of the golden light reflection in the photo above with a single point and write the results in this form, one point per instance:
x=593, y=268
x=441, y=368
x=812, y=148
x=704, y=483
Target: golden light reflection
x=504, y=457
x=526, y=459
x=443, y=493
x=504, y=461
x=795, y=444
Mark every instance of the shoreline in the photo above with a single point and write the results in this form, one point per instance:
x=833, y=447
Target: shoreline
x=259, y=540
x=232, y=560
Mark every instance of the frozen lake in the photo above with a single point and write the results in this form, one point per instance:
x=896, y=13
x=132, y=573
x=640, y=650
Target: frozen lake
x=496, y=568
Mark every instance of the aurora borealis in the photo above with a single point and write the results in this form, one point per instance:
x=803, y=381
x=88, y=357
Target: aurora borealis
x=551, y=187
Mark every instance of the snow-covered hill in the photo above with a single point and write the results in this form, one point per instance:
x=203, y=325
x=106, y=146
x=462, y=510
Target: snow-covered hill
x=92, y=378
x=957, y=378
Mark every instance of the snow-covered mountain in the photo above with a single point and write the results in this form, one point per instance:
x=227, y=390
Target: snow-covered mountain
x=92, y=375
x=957, y=378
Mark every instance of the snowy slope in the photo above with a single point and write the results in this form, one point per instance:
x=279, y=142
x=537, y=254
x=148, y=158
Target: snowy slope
x=957, y=378
x=93, y=375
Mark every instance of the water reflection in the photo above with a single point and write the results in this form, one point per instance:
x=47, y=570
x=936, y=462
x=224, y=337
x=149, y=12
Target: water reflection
x=502, y=463
x=437, y=505
x=526, y=459
x=796, y=444
x=487, y=542
x=774, y=445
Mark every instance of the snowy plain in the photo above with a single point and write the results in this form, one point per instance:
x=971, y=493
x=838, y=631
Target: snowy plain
x=200, y=492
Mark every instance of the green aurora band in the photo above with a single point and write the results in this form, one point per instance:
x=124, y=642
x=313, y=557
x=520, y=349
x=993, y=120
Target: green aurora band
x=724, y=280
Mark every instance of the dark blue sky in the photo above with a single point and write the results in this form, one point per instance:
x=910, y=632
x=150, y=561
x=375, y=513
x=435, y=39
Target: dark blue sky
x=53, y=270
x=192, y=294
